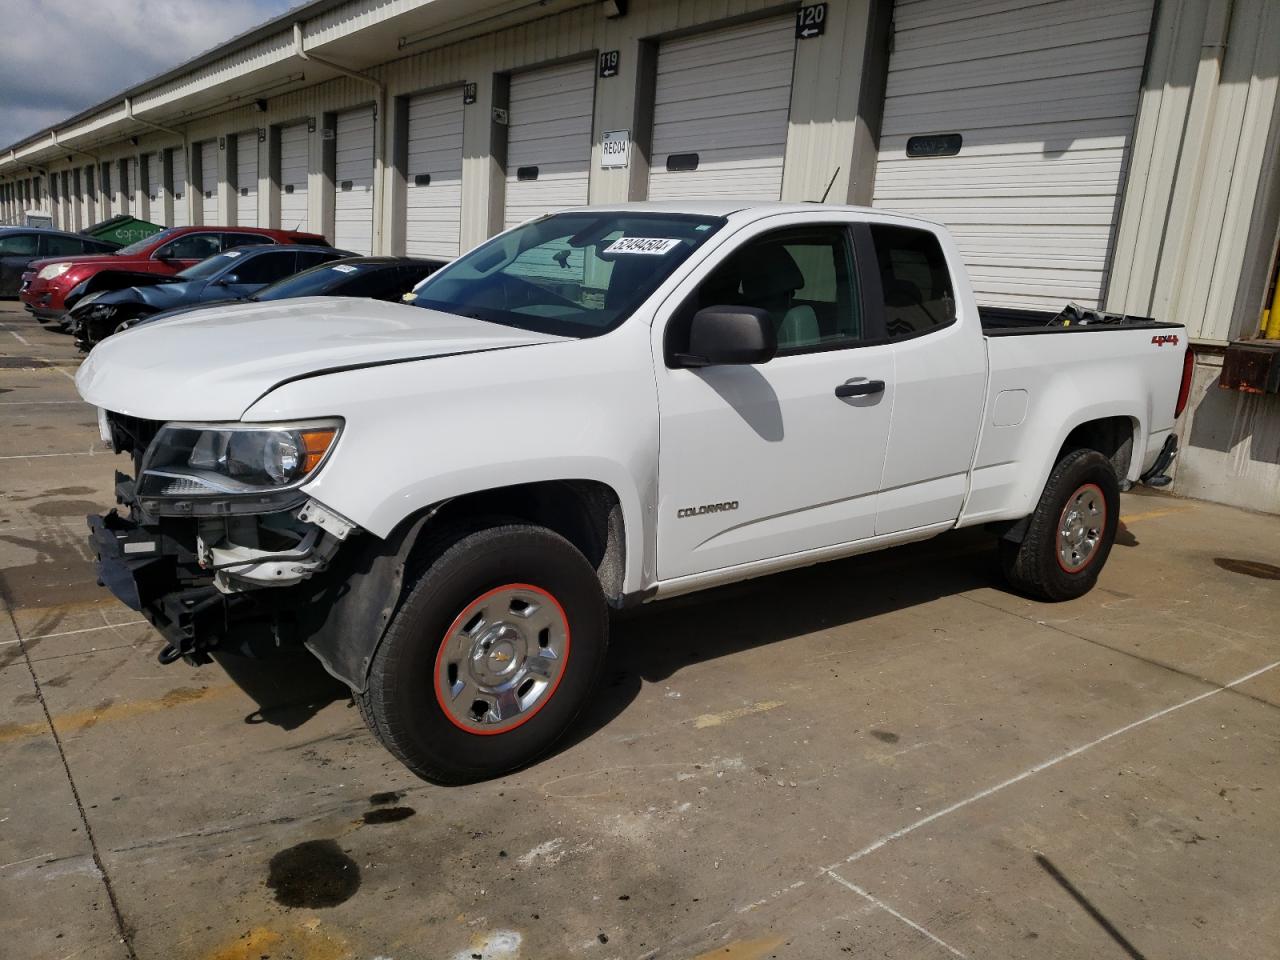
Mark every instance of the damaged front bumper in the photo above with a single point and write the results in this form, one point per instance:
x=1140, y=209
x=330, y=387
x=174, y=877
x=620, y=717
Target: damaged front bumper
x=243, y=583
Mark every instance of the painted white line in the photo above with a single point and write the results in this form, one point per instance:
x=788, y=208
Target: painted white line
x=41, y=456
x=21, y=339
x=68, y=633
x=69, y=376
x=38, y=856
x=33, y=403
x=8, y=643
x=1045, y=765
x=892, y=912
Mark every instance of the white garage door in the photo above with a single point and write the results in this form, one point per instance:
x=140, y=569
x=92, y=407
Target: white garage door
x=549, y=140
x=353, y=206
x=247, y=178
x=294, y=151
x=55, y=208
x=68, y=203
x=88, y=196
x=433, y=205
x=106, y=192
x=720, y=112
x=128, y=184
x=1043, y=96
x=178, y=158
x=209, y=182
x=152, y=179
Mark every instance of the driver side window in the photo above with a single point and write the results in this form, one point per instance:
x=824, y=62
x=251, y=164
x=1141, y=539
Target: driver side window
x=803, y=277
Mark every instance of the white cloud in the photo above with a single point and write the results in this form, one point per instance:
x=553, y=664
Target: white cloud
x=58, y=57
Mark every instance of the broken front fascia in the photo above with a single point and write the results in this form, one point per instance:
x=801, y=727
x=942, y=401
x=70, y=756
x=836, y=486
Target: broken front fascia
x=232, y=547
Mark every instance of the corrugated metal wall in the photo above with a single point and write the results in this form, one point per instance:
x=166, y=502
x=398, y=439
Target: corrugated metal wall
x=1196, y=220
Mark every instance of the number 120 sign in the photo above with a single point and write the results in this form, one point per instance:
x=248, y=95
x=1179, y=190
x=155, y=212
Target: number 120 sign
x=811, y=21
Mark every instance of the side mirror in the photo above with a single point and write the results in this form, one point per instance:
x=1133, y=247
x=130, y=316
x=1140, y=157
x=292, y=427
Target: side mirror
x=228, y=279
x=729, y=335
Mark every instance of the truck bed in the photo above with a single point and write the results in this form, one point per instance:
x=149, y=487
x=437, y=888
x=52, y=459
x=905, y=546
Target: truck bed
x=1073, y=318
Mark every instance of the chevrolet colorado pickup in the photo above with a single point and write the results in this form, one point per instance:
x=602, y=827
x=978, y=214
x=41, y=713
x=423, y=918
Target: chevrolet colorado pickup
x=442, y=499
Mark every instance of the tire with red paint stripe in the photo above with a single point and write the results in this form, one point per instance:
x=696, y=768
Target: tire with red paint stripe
x=1070, y=534
x=492, y=655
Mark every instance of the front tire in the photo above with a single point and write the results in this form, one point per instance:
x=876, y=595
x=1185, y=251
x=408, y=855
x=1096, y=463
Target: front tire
x=1069, y=537
x=491, y=657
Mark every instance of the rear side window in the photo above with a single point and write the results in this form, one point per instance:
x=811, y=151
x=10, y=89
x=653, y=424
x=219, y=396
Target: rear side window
x=230, y=240
x=918, y=296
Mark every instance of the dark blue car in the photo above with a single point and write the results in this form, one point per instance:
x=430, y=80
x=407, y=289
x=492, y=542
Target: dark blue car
x=230, y=275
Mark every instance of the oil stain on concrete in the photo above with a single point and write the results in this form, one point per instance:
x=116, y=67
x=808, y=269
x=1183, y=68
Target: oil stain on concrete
x=315, y=874
x=386, y=815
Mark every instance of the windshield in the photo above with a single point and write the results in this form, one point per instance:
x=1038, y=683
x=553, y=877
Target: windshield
x=571, y=274
x=309, y=283
x=209, y=266
x=139, y=245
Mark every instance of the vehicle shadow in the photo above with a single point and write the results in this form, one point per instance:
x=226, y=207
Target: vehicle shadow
x=290, y=687
x=653, y=643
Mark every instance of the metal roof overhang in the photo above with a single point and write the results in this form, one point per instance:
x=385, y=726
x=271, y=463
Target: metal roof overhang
x=264, y=62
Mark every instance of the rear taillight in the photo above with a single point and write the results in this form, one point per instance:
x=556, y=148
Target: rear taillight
x=1184, y=391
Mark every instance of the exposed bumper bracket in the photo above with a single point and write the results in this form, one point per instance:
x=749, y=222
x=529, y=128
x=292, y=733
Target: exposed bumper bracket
x=1158, y=475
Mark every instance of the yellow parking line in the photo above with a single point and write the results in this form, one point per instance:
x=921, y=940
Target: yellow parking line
x=1151, y=514
x=79, y=720
x=715, y=719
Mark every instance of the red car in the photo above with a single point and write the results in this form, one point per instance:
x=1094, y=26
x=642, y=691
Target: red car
x=52, y=286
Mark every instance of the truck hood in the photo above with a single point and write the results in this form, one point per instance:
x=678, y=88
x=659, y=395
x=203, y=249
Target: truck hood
x=213, y=364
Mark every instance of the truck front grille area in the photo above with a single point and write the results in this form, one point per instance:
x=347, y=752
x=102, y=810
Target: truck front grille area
x=132, y=435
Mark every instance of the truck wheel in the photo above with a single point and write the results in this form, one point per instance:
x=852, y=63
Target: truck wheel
x=491, y=657
x=1070, y=534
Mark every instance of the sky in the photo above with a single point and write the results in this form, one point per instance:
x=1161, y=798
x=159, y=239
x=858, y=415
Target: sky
x=58, y=57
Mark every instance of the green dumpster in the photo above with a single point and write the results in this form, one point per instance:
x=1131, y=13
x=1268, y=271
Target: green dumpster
x=122, y=229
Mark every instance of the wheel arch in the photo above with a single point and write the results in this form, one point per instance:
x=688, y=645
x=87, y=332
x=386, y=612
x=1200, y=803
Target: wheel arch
x=1115, y=430
x=1115, y=437
x=348, y=616
x=587, y=513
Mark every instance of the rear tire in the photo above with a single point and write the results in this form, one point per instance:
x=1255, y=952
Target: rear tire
x=491, y=657
x=1069, y=536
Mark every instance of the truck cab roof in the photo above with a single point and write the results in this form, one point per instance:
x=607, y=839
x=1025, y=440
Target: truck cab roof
x=741, y=209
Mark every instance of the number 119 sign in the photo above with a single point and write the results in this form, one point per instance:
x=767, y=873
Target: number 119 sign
x=811, y=21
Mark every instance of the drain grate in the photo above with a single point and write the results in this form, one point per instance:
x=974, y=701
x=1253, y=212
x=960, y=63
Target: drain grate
x=23, y=363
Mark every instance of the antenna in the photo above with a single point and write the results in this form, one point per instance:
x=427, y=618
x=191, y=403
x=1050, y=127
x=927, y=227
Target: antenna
x=831, y=183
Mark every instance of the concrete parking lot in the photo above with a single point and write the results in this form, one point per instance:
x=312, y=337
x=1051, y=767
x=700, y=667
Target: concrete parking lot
x=884, y=757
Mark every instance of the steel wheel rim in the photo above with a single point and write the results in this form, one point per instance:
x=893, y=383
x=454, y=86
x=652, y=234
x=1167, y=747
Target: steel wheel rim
x=1080, y=528
x=501, y=659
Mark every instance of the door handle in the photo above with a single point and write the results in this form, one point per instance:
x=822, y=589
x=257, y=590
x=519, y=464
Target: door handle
x=859, y=388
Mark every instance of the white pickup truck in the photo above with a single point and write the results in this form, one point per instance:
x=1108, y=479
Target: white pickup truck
x=442, y=499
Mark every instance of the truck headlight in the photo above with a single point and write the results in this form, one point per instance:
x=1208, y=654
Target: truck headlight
x=53, y=270
x=226, y=460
